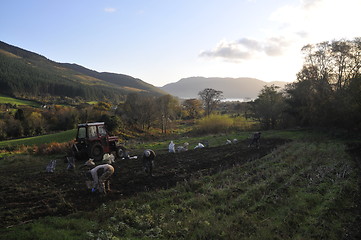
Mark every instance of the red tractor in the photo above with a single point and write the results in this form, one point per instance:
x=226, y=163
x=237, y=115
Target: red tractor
x=93, y=141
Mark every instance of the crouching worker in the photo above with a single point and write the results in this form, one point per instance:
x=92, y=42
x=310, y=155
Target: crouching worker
x=255, y=140
x=148, y=161
x=99, y=177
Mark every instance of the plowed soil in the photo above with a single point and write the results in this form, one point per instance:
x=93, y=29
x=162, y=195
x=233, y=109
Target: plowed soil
x=27, y=195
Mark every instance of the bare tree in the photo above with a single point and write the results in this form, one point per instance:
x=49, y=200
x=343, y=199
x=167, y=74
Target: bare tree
x=166, y=106
x=210, y=98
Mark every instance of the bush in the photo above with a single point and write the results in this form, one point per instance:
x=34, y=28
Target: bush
x=222, y=123
x=214, y=124
x=52, y=148
x=241, y=123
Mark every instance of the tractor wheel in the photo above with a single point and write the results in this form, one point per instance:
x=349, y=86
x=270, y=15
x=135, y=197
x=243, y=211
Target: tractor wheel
x=121, y=152
x=96, y=152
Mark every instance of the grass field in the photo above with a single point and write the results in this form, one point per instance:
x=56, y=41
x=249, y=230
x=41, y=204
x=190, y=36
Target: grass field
x=60, y=137
x=302, y=190
x=220, y=139
x=162, y=146
x=14, y=101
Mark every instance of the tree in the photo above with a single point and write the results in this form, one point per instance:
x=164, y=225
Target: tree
x=268, y=107
x=210, y=98
x=346, y=108
x=102, y=106
x=193, y=107
x=34, y=124
x=112, y=123
x=334, y=62
x=166, y=106
x=14, y=129
x=2, y=129
x=62, y=118
x=140, y=110
x=327, y=87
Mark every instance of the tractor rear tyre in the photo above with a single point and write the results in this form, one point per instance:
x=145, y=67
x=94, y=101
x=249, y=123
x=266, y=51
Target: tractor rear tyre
x=121, y=152
x=96, y=152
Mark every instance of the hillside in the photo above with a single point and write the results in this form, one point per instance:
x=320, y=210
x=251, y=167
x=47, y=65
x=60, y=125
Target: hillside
x=29, y=75
x=246, y=88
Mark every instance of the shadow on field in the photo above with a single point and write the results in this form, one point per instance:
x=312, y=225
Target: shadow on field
x=354, y=149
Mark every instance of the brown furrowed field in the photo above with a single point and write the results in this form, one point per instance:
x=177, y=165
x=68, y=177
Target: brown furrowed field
x=29, y=193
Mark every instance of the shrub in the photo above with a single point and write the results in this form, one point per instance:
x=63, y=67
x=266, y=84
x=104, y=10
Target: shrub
x=241, y=123
x=214, y=124
x=52, y=148
x=222, y=123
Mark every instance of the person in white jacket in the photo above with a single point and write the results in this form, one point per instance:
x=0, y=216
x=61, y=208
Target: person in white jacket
x=99, y=178
x=171, y=147
x=200, y=145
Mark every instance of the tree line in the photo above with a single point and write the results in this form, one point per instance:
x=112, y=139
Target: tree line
x=37, y=80
x=327, y=92
x=138, y=112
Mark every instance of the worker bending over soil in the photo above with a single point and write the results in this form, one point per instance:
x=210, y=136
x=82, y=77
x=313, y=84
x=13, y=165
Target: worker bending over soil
x=148, y=161
x=99, y=177
x=255, y=140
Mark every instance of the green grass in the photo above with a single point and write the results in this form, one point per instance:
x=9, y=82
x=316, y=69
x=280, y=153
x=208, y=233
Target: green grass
x=14, y=101
x=220, y=139
x=60, y=137
x=295, y=134
x=213, y=140
x=302, y=190
x=55, y=228
x=92, y=102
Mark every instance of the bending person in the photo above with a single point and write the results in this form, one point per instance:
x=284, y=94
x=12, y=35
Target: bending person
x=100, y=177
x=148, y=161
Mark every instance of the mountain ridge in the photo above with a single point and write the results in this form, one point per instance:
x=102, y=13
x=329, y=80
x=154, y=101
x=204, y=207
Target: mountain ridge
x=30, y=75
x=232, y=88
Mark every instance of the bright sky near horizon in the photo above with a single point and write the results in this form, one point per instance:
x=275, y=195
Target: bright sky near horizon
x=162, y=41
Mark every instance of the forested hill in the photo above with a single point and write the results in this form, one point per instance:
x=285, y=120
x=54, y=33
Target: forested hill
x=29, y=75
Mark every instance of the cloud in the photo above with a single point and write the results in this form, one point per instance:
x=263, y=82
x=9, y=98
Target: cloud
x=110, y=10
x=250, y=44
x=227, y=50
x=276, y=46
x=308, y=21
x=320, y=20
x=246, y=48
x=307, y=4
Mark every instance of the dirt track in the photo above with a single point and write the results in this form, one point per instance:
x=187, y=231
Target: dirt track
x=28, y=196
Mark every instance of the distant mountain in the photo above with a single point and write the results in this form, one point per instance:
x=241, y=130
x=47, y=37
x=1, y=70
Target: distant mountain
x=232, y=88
x=29, y=75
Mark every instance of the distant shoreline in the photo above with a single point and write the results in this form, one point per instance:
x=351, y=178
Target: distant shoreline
x=226, y=99
x=237, y=100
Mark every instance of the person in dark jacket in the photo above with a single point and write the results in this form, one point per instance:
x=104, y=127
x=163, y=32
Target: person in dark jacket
x=148, y=161
x=255, y=140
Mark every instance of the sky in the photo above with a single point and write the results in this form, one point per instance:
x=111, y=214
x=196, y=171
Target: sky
x=163, y=41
